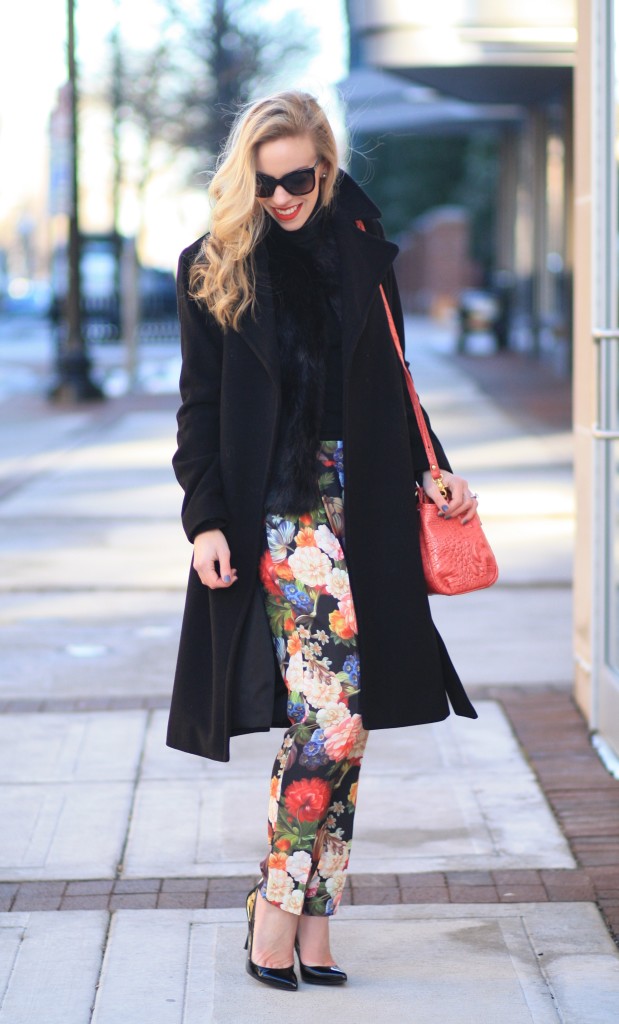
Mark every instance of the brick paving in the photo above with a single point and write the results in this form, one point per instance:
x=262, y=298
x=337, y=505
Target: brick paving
x=527, y=886
x=553, y=735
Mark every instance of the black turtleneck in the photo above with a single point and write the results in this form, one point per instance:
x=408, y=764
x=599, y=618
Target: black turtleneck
x=314, y=238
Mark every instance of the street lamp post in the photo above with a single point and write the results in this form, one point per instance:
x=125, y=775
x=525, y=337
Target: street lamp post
x=73, y=381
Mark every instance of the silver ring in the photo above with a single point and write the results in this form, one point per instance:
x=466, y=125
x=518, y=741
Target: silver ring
x=474, y=495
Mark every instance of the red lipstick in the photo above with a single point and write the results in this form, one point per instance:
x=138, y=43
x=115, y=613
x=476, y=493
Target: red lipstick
x=289, y=213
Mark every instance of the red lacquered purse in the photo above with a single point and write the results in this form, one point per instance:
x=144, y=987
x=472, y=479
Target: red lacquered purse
x=456, y=559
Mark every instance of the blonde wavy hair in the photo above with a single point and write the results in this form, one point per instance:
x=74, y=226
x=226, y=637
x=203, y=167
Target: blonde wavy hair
x=223, y=275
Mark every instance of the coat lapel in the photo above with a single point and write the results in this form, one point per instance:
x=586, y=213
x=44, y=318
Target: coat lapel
x=260, y=334
x=365, y=259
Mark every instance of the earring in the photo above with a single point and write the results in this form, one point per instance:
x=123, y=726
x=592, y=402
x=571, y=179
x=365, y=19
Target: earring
x=323, y=175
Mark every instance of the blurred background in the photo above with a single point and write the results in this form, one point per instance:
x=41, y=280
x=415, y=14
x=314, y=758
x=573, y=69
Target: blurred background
x=456, y=122
x=122, y=110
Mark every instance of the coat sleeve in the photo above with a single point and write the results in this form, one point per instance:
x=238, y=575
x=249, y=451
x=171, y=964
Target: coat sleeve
x=196, y=461
x=420, y=460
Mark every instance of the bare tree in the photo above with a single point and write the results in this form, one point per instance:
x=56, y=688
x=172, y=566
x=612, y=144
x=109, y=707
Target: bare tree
x=145, y=111
x=212, y=56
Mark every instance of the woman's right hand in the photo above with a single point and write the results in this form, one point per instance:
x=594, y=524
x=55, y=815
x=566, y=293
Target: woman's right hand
x=208, y=548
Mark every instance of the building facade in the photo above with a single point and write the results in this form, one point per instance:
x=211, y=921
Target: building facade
x=503, y=67
x=546, y=76
x=596, y=374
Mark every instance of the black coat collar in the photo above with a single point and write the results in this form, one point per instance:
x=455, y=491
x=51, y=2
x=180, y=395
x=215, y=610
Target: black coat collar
x=365, y=260
x=352, y=202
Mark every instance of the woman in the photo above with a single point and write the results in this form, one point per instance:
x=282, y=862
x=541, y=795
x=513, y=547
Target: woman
x=299, y=613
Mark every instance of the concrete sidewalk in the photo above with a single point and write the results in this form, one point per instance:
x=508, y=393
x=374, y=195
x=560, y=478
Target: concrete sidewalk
x=475, y=883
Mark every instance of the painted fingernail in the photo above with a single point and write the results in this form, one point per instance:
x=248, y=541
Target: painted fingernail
x=226, y=579
x=445, y=507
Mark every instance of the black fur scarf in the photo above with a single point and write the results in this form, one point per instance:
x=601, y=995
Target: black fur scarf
x=306, y=291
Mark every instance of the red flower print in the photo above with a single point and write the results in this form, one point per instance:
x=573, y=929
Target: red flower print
x=267, y=573
x=307, y=799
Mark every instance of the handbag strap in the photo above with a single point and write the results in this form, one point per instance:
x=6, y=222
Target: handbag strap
x=421, y=420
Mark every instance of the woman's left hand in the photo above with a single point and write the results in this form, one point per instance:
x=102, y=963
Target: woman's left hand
x=460, y=501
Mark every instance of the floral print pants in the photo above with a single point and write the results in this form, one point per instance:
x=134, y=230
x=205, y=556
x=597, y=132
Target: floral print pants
x=314, y=785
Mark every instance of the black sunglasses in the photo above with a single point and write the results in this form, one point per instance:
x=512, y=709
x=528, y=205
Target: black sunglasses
x=296, y=183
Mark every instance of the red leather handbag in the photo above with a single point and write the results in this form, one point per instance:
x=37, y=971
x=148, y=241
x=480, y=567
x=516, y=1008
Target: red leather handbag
x=456, y=559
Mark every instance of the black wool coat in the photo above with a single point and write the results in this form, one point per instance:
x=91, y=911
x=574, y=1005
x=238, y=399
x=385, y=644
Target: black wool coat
x=227, y=681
